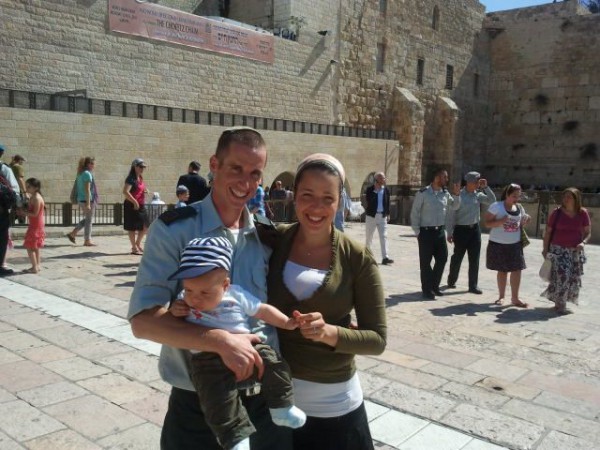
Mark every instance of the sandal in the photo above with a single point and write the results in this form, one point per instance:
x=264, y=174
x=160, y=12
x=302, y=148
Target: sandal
x=30, y=270
x=135, y=251
x=519, y=304
x=89, y=244
x=71, y=238
x=499, y=302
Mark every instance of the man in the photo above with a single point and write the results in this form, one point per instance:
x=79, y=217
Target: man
x=464, y=231
x=17, y=167
x=377, y=200
x=427, y=218
x=194, y=182
x=343, y=210
x=19, y=172
x=278, y=196
x=8, y=175
x=237, y=166
x=256, y=205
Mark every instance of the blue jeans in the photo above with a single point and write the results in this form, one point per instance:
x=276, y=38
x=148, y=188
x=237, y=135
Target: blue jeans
x=86, y=222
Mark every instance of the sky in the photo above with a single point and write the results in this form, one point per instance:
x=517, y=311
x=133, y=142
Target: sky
x=500, y=5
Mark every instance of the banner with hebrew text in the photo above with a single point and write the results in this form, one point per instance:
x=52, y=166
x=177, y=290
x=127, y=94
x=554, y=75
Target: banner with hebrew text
x=139, y=18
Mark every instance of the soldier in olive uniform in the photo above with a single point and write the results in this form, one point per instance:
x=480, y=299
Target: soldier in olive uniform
x=428, y=218
x=464, y=230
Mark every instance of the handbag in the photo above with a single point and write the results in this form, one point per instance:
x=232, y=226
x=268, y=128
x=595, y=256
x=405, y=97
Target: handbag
x=524, y=238
x=546, y=269
x=73, y=196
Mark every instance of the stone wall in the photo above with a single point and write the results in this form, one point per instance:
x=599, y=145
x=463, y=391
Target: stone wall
x=63, y=45
x=545, y=97
x=53, y=142
x=367, y=96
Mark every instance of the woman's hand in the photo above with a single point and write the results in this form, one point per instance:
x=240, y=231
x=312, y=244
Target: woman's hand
x=526, y=219
x=313, y=327
x=580, y=246
x=136, y=205
x=544, y=253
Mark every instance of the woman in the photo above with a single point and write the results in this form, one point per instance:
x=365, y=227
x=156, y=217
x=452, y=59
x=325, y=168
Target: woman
x=505, y=251
x=87, y=199
x=567, y=232
x=135, y=219
x=319, y=276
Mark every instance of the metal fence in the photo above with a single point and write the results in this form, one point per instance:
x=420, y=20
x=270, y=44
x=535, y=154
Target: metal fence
x=67, y=214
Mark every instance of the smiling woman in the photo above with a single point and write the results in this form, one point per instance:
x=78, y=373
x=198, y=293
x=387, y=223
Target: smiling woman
x=319, y=275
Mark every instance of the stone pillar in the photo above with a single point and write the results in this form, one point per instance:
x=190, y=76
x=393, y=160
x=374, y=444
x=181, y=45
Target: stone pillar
x=409, y=122
x=442, y=149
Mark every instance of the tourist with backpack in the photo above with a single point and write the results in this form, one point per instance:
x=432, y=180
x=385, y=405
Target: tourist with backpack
x=9, y=190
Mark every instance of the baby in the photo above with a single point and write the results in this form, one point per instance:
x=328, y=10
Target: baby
x=208, y=298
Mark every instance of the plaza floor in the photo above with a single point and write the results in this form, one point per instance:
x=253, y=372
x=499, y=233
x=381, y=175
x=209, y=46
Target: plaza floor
x=458, y=372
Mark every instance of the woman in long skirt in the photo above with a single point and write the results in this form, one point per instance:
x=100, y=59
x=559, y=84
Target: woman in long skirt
x=567, y=231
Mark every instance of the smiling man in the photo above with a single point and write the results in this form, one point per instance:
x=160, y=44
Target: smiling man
x=237, y=166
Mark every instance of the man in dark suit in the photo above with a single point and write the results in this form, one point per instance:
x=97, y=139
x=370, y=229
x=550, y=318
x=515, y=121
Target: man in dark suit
x=377, y=200
x=194, y=182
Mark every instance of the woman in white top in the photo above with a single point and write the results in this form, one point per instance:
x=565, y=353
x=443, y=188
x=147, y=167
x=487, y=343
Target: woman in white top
x=505, y=251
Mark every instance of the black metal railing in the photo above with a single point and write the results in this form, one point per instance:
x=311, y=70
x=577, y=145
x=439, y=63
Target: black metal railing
x=77, y=102
x=67, y=214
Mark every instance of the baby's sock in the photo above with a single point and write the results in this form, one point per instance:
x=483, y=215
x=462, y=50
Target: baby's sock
x=291, y=416
x=242, y=445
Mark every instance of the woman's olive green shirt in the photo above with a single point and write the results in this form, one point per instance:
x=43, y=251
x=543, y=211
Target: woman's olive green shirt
x=351, y=283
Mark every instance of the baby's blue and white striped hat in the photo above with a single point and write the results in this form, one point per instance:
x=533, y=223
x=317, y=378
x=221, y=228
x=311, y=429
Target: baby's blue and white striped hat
x=202, y=255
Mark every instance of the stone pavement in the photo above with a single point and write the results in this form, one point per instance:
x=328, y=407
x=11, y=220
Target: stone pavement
x=458, y=372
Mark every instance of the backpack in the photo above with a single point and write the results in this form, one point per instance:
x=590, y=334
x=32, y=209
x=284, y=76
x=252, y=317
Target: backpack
x=8, y=197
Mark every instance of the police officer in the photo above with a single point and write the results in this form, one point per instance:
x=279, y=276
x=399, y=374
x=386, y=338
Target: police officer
x=428, y=218
x=237, y=166
x=464, y=231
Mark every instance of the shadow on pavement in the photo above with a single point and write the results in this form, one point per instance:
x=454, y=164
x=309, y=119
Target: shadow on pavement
x=394, y=300
x=515, y=315
x=464, y=309
x=80, y=255
x=120, y=265
x=126, y=284
x=129, y=273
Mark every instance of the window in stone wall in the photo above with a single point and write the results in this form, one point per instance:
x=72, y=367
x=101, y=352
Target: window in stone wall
x=380, y=57
x=382, y=7
x=435, y=23
x=475, y=85
x=449, y=76
x=420, y=71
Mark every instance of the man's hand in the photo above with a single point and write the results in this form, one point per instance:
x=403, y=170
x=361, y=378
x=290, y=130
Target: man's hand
x=483, y=183
x=240, y=356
